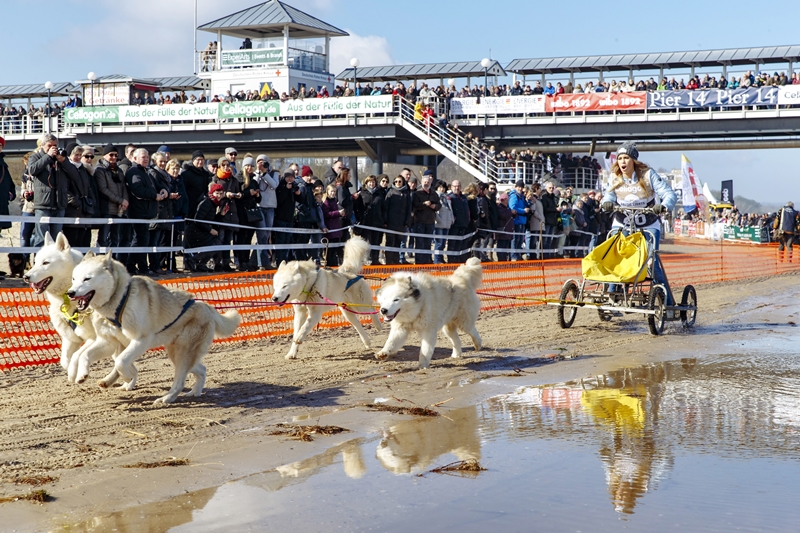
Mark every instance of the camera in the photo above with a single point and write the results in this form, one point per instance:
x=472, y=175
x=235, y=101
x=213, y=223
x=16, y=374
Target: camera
x=62, y=152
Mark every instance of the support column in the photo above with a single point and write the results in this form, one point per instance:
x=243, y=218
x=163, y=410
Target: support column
x=327, y=54
x=630, y=74
x=286, y=46
x=791, y=69
x=219, y=50
x=660, y=74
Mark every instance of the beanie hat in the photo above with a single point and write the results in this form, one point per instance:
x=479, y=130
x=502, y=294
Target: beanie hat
x=628, y=148
x=196, y=154
x=249, y=161
x=110, y=148
x=222, y=160
x=215, y=187
x=70, y=147
x=264, y=158
x=2, y=142
x=306, y=171
x=230, y=150
x=428, y=173
x=519, y=183
x=163, y=149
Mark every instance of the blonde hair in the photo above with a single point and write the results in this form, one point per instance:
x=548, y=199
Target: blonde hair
x=173, y=163
x=640, y=171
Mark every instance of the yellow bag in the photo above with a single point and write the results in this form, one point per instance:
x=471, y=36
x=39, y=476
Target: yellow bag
x=617, y=260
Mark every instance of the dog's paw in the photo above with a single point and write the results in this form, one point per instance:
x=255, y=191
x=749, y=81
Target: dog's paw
x=381, y=356
x=290, y=356
x=128, y=385
x=164, y=401
x=455, y=354
x=64, y=363
x=81, y=378
x=102, y=384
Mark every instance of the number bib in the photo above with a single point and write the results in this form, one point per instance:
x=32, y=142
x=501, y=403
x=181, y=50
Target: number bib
x=632, y=195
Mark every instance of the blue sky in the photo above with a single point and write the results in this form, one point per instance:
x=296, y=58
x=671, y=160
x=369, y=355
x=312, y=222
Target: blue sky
x=150, y=38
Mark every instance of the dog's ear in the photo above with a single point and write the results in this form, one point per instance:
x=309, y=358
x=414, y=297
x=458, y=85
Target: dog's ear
x=108, y=258
x=47, y=238
x=283, y=263
x=62, y=244
x=414, y=289
x=88, y=255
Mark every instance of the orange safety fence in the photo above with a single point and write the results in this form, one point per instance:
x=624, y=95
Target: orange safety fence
x=27, y=337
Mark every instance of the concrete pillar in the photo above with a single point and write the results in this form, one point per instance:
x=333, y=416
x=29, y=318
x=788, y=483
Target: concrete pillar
x=660, y=74
x=286, y=45
x=791, y=69
x=691, y=72
x=572, y=77
x=630, y=74
x=327, y=53
x=219, y=49
x=725, y=71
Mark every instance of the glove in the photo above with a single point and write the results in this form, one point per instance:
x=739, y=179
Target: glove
x=659, y=209
x=607, y=206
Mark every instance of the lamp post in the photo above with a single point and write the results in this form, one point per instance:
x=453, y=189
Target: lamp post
x=49, y=86
x=354, y=63
x=92, y=76
x=486, y=63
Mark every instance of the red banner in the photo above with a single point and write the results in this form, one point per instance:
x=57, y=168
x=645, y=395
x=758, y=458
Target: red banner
x=596, y=102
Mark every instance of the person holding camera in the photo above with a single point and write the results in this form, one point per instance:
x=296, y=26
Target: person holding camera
x=285, y=196
x=81, y=201
x=51, y=173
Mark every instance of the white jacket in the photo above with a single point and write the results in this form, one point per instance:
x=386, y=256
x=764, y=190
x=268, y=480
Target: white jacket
x=267, y=183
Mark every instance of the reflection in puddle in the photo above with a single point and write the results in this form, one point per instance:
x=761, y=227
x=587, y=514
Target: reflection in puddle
x=709, y=443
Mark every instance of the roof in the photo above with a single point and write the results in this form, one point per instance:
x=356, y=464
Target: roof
x=460, y=69
x=37, y=90
x=667, y=60
x=268, y=20
x=117, y=78
x=181, y=83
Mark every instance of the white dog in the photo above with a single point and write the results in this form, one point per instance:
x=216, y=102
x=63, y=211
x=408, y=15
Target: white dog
x=51, y=274
x=304, y=282
x=143, y=314
x=426, y=304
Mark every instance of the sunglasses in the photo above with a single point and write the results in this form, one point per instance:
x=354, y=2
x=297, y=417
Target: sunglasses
x=88, y=157
x=112, y=154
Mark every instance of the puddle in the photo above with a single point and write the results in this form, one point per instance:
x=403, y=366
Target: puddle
x=709, y=444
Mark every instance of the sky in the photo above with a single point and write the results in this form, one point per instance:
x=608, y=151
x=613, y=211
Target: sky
x=151, y=38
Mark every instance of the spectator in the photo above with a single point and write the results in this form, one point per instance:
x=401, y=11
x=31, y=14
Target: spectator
x=398, y=217
x=285, y=196
x=424, y=205
x=201, y=232
x=333, y=172
x=535, y=224
x=26, y=229
x=308, y=215
x=249, y=213
x=344, y=197
x=51, y=174
x=196, y=180
x=461, y=221
x=144, y=198
x=268, y=181
x=161, y=179
x=81, y=201
x=125, y=164
x=371, y=212
x=577, y=236
x=230, y=155
x=8, y=193
x=232, y=190
x=483, y=223
x=113, y=201
x=444, y=220
x=332, y=215
x=519, y=208
x=505, y=227
x=551, y=216
x=491, y=195
x=179, y=208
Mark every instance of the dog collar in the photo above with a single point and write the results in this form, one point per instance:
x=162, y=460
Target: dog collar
x=75, y=319
x=117, y=320
x=310, y=289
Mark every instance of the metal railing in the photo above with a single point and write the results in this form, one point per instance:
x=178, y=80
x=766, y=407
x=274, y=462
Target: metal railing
x=27, y=124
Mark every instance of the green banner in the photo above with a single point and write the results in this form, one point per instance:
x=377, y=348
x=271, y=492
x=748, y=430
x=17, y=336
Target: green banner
x=268, y=108
x=735, y=233
x=235, y=58
x=80, y=115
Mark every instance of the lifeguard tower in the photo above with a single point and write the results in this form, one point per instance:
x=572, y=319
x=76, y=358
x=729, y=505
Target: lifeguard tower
x=277, y=45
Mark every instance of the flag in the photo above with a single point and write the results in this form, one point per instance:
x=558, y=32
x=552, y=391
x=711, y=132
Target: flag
x=689, y=185
x=265, y=89
x=609, y=161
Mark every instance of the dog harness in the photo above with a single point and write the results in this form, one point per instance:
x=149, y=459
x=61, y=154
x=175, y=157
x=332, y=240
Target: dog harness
x=117, y=320
x=75, y=319
x=353, y=281
x=186, y=307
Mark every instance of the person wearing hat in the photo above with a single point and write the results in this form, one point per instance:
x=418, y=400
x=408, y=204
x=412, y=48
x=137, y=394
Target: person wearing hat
x=520, y=208
x=268, y=181
x=635, y=185
x=164, y=149
x=785, y=226
x=230, y=155
x=232, y=190
x=202, y=232
x=461, y=219
x=113, y=196
x=308, y=215
x=424, y=204
x=505, y=226
x=196, y=180
x=249, y=213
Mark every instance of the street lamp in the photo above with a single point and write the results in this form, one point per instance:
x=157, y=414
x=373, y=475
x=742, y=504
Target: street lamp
x=49, y=86
x=486, y=63
x=92, y=76
x=354, y=63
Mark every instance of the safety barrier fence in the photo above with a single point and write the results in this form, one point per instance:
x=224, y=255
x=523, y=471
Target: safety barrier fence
x=27, y=337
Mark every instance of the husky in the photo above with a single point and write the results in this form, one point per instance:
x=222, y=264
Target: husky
x=142, y=314
x=426, y=304
x=304, y=282
x=51, y=275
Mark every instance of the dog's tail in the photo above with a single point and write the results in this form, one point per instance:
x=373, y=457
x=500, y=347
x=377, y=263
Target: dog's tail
x=471, y=273
x=355, y=255
x=226, y=324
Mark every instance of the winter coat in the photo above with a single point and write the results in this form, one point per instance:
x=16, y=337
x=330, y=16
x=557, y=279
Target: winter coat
x=284, y=211
x=162, y=182
x=307, y=205
x=247, y=201
x=333, y=219
x=423, y=214
x=536, y=223
x=111, y=187
x=461, y=216
x=505, y=222
x=7, y=191
x=196, y=181
x=345, y=198
x=371, y=208
x=483, y=222
x=267, y=183
x=27, y=186
x=142, y=192
x=78, y=189
x=398, y=208
x=231, y=185
x=518, y=203
x=492, y=212
x=51, y=180
x=444, y=216
x=550, y=208
x=199, y=233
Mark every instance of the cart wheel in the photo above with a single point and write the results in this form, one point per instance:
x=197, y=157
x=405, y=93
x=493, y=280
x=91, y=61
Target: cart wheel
x=605, y=316
x=657, y=302
x=689, y=298
x=566, y=315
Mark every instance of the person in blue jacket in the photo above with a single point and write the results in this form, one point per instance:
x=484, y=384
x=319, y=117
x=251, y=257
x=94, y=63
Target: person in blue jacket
x=520, y=208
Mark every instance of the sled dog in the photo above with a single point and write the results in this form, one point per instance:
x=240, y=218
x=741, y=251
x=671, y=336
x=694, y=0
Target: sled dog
x=303, y=282
x=142, y=314
x=51, y=274
x=426, y=304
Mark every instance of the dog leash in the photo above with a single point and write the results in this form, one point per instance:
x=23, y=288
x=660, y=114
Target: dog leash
x=75, y=319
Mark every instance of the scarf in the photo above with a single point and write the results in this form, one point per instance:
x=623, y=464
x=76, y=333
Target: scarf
x=224, y=174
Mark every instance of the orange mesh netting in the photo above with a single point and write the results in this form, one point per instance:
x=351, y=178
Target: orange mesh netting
x=27, y=338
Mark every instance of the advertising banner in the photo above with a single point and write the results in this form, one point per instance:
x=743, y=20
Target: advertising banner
x=336, y=106
x=688, y=185
x=713, y=98
x=233, y=58
x=506, y=105
x=596, y=102
x=133, y=113
x=107, y=94
x=726, y=192
x=84, y=115
x=789, y=95
x=267, y=108
x=735, y=233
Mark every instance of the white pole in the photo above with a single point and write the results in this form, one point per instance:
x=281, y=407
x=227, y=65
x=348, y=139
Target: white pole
x=194, y=58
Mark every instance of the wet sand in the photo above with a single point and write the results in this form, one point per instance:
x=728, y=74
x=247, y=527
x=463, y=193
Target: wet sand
x=83, y=436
